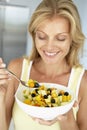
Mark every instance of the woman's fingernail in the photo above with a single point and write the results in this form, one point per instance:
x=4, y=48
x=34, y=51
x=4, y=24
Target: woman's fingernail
x=37, y=120
x=62, y=118
x=59, y=118
x=3, y=65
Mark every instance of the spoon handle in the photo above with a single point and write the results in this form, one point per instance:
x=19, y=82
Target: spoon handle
x=14, y=75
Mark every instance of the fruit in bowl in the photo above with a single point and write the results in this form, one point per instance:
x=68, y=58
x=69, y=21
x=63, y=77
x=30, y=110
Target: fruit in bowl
x=45, y=101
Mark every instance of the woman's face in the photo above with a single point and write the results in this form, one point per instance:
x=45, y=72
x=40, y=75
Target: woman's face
x=53, y=40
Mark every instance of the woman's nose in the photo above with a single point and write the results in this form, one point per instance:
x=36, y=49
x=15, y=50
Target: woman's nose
x=50, y=44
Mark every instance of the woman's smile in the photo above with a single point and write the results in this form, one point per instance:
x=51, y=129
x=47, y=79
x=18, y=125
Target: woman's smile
x=50, y=54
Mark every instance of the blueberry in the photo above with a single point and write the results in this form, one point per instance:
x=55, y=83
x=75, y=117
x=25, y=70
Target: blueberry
x=36, y=85
x=46, y=106
x=66, y=93
x=36, y=90
x=48, y=89
x=45, y=96
x=59, y=94
x=52, y=100
x=33, y=95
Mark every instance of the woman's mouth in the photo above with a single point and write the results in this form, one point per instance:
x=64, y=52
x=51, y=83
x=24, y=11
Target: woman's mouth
x=50, y=54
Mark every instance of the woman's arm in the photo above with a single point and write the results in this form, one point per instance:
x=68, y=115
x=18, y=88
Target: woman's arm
x=8, y=86
x=15, y=66
x=3, y=123
x=70, y=122
x=3, y=86
x=82, y=113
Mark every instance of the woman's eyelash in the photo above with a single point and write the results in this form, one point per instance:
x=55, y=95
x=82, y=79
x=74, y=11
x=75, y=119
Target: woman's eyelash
x=42, y=38
x=61, y=39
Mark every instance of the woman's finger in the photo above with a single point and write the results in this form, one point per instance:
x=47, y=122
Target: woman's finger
x=62, y=117
x=2, y=64
x=2, y=93
x=50, y=122
x=75, y=104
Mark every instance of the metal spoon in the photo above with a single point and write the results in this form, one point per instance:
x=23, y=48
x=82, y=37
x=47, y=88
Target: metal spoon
x=15, y=76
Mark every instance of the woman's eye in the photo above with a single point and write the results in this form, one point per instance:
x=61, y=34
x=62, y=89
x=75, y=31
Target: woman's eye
x=61, y=39
x=42, y=38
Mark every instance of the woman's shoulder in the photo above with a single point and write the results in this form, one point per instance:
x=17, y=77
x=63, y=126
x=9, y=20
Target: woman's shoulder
x=83, y=87
x=15, y=65
x=85, y=76
x=15, y=62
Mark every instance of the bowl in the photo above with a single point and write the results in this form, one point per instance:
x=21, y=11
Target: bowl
x=46, y=113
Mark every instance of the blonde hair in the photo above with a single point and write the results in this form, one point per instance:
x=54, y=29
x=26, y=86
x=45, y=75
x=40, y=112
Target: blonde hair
x=64, y=8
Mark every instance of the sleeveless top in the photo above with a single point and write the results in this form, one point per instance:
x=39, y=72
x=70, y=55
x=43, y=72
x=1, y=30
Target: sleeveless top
x=24, y=122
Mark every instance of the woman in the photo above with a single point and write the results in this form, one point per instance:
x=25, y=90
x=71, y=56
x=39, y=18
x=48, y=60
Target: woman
x=57, y=39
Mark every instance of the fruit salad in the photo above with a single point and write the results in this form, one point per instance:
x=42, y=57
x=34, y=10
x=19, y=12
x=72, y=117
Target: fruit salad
x=43, y=96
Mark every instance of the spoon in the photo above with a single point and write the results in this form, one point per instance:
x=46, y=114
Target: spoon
x=15, y=76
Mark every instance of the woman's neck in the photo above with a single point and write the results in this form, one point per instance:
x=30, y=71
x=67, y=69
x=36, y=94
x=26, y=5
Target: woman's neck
x=50, y=70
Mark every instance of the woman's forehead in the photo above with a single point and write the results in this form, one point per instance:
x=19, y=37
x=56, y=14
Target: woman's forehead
x=58, y=25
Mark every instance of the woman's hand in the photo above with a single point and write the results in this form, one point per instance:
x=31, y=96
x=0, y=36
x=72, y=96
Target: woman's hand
x=50, y=122
x=4, y=77
x=61, y=118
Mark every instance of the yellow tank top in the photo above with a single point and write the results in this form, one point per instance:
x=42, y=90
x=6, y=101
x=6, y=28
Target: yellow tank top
x=22, y=121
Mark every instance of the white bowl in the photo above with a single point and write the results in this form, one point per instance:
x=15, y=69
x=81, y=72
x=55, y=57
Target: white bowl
x=46, y=113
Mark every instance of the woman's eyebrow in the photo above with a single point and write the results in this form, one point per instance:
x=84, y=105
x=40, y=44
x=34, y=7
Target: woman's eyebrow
x=57, y=33
x=40, y=31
